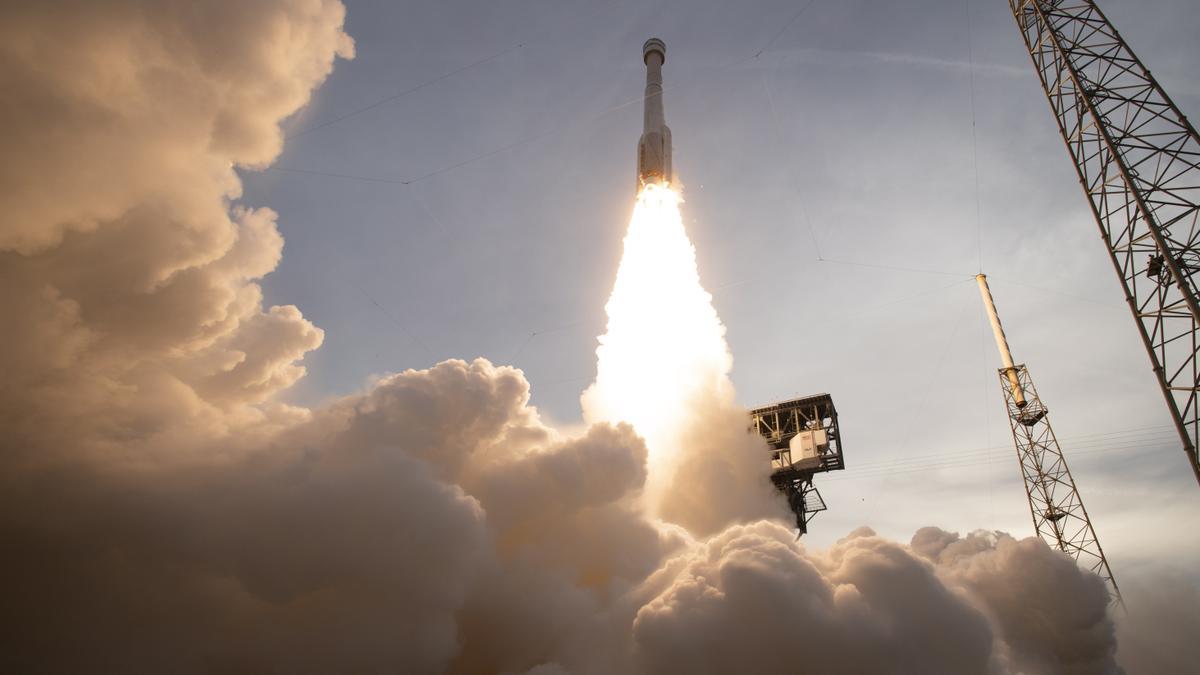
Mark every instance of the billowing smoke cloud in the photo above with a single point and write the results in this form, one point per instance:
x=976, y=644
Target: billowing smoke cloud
x=1159, y=634
x=132, y=276
x=349, y=542
x=433, y=524
x=159, y=512
x=1051, y=616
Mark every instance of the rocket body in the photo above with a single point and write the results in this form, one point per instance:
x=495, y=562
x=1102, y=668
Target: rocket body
x=654, y=147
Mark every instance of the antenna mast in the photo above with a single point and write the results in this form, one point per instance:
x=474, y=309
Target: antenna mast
x=1058, y=513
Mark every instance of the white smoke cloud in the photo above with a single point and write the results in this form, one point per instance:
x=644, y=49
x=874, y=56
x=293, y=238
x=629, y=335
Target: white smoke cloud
x=1158, y=635
x=133, y=276
x=434, y=525
x=752, y=600
x=1052, y=617
x=723, y=473
x=160, y=512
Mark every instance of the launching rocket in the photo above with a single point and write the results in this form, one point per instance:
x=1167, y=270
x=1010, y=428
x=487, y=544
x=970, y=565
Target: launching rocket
x=654, y=147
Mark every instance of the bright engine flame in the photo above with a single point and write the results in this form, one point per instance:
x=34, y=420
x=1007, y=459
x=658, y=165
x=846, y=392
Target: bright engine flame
x=665, y=345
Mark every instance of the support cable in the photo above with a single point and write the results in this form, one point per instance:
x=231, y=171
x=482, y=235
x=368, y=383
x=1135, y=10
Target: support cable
x=529, y=139
x=974, y=135
x=445, y=76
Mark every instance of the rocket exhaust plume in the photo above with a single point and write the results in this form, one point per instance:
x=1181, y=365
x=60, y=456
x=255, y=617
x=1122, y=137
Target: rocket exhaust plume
x=664, y=344
x=663, y=364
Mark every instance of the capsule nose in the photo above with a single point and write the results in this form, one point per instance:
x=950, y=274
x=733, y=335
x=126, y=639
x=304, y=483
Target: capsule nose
x=654, y=45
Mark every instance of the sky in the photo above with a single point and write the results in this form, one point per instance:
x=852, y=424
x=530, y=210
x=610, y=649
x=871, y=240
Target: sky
x=301, y=298
x=846, y=169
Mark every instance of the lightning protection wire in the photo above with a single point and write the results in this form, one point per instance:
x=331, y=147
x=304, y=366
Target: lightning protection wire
x=1155, y=434
x=789, y=159
x=538, y=37
x=981, y=456
x=1069, y=296
x=895, y=268
x=543, y=331
x=1131, y=448
x=391, y=317
x=974, y=133
x=581, y=121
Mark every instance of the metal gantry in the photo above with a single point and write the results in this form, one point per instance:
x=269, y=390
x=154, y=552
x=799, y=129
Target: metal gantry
x=1138, y=160
x=805, y=440
x=1059, y=516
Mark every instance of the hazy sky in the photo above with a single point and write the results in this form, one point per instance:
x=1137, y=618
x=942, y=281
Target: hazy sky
x=848, y=139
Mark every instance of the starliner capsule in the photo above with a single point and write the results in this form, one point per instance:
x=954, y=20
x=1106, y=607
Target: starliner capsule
x=654, y=147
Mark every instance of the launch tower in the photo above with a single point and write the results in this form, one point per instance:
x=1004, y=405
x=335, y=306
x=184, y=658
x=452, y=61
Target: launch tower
x=1138, y=160
x=1058, y=513
x=805, y=440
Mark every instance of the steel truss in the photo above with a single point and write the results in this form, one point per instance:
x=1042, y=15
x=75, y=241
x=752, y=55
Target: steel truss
x=1138, y=160
x=1058, y=513
x=778, y=424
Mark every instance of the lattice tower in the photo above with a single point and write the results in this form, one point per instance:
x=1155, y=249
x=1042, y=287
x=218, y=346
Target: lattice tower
x=1059, y=516
x=1138, y=160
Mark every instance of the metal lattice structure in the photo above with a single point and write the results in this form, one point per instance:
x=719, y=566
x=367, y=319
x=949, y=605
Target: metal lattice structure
x=1059, y=516
x=805, y=440
x=1138, y=159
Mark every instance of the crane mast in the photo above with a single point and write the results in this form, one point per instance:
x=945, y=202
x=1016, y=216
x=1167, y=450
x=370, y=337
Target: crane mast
x=1059, y=516
x=1138, y=160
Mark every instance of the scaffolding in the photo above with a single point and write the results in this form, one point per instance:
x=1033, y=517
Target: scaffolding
x=1138, y=160
x=805, y=440
x=1059, y=516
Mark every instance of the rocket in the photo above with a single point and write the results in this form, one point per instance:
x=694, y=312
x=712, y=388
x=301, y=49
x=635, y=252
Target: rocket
x=654, y=147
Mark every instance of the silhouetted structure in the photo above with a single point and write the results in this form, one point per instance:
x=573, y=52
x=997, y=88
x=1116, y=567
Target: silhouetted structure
x=1058, y=513
x=805, y=440
x=1138, y=159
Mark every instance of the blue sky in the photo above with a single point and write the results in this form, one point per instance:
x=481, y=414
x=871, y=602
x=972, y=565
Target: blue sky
x=867, y=136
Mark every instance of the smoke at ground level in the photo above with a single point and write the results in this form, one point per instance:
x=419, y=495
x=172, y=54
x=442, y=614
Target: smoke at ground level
x=435, y=524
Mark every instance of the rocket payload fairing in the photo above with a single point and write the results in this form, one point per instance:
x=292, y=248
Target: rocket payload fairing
x=654, y=147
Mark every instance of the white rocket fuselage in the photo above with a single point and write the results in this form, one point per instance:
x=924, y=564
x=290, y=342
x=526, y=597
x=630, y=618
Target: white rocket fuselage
x=654, y=147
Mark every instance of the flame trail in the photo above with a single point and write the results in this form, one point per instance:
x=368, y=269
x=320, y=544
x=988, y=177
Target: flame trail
x=665, y=345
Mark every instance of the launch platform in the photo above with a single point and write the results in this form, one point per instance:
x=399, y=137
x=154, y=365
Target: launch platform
x=805, y=440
